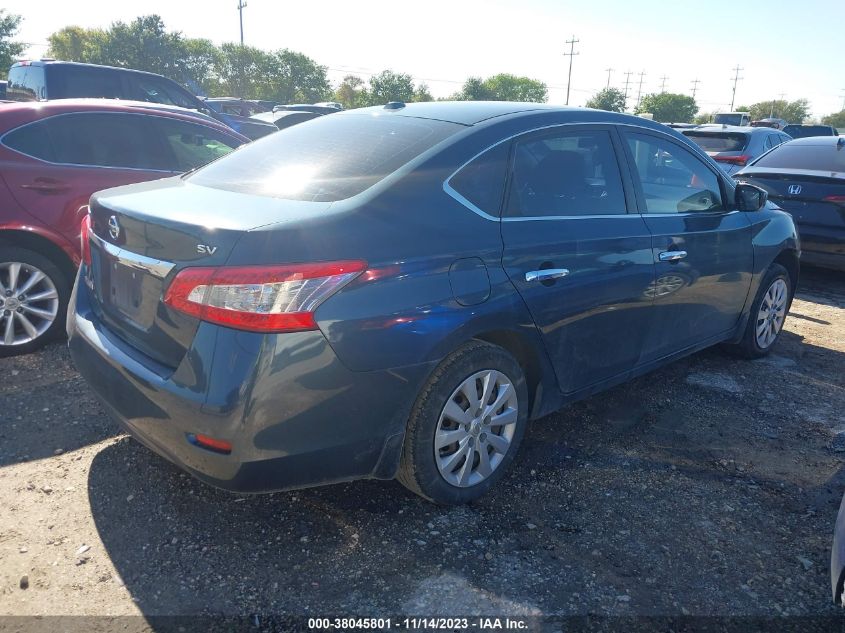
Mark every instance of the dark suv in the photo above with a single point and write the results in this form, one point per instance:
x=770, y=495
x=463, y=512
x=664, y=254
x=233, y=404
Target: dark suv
x=396, y=292
x=48, y=79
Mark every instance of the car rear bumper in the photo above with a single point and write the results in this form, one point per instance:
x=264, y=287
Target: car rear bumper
x=293, y=413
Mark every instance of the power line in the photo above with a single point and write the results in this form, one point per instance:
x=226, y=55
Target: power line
x=570, y=54
x=609, y=70
x=736, y=79
x=640, y=90
x=241, y=6
x=695, y=83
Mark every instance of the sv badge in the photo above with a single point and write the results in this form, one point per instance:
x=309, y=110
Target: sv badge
x=205, y=249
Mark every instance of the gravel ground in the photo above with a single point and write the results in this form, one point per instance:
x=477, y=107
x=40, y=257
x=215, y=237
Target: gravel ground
x=709, y=487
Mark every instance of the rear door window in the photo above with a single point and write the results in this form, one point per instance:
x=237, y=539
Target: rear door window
x=32, y=140
x=672, y=179
x=68, y=81
x=330, y=158
x=481, y=182
x=572, y=173
x=155, y=90
x=107, y=140
x=191, y=144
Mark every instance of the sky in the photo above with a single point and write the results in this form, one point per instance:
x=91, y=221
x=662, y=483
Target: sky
x=442, y=42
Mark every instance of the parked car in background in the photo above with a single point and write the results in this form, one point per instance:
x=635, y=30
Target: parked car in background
x=331, y=104
x=806, y=178
x=307, y=107
x=403, y=287
x=286, y=118
x=803, y=131
x=48, y=79
x=734, y=147
x=681, y=126
x=740, y=119
x=778, y=124
x=233, y=105
x=53, y=156
x=3, y=90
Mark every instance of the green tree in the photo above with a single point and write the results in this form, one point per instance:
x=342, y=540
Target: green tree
x=837, y=119
x=668, y=107
x=610, y=99
x=421, y=93
x=792, y=111
x=197, y=64
x=9, y=49
x=390, y=86
x=502, y=87
x=244, y=71
x=144, y=44
x=703, y=117
x=352, y=92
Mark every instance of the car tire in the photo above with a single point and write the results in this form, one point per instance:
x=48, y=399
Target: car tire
x=39, y=316
x=443, y=413
x=762, y=330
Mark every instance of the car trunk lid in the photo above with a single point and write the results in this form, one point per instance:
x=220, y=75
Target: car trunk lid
x=143, y=235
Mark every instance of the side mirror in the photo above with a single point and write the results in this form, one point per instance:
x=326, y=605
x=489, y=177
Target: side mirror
x=749, y=198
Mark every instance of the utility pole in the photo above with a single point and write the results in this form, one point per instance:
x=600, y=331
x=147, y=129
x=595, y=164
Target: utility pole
x=695, y=83
x=843, y=97
x=640, y=90
x=663, y=83
x=570, y=55
x=736, y=79
x=627, y=81
x=609, y=70
x=772, y=110
x=241, y=6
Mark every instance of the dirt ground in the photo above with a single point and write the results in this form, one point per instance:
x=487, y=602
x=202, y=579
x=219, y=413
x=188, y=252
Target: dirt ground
x=709, y=487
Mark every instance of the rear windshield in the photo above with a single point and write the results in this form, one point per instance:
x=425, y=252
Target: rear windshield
x=26, y=83
x=728, y=119
x=801, y=131
x=327, y=159
x=827, y=157
x=69, y=82
x=719, y=141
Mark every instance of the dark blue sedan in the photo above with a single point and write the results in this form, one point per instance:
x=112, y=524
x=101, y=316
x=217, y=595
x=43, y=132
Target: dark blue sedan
x=397, y=291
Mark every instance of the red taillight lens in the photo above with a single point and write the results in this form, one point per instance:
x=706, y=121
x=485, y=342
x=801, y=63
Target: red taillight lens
x=212, y=444
x=834, y=199
x=733, y=160
x=260, y=298
x=84, y=241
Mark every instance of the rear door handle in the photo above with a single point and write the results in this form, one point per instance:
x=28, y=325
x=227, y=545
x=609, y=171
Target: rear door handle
x=46, y=186
x=671, y=256
x=546, y=274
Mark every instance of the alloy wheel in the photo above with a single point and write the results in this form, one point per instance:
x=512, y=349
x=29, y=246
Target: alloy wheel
x=29, y=303
x=771, y=315
x=475, y=428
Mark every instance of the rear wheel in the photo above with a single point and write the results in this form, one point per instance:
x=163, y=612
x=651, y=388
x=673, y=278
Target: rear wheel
x=466, y=426
x=768, y=313
x=33, y=300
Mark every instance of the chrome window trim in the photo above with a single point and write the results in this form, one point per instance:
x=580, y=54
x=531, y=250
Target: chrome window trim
x=155, y=267
x=87, y=166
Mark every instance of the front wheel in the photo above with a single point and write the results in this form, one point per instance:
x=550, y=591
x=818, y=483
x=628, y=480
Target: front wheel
x=768, y=313
x=466, y=426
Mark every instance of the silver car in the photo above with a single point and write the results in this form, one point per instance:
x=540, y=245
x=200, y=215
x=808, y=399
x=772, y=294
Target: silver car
x=733, y=147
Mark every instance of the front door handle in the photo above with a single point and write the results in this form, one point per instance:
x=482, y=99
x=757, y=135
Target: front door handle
x=546, y=274
x=671, y=256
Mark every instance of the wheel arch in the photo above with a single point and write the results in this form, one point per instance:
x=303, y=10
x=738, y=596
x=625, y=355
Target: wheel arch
x=61, y=256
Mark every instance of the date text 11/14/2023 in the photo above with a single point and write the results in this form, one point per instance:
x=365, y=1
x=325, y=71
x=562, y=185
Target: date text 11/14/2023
x=418, y=624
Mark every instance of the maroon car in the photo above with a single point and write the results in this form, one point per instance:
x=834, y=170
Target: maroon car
x=53, y=156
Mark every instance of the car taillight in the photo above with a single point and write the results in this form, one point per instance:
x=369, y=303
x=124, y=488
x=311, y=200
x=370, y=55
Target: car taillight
x=84, y=241
x=733, y=160
x=279, y=298
x=835, y=199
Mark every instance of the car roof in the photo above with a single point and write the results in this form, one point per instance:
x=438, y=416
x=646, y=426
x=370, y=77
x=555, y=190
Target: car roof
x=27, y=111
x=818, y=141
x=60, y=62
x=462, y=112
